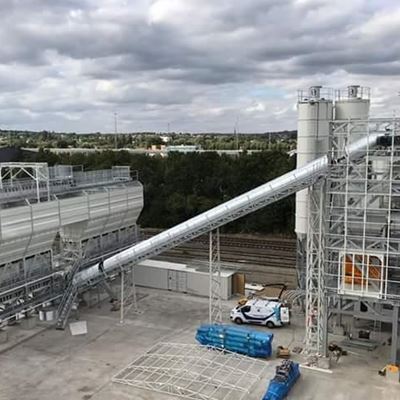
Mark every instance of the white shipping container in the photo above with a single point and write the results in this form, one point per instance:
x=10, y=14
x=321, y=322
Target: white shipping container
x=180, y=278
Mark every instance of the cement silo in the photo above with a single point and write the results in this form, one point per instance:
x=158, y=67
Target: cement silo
x=315, y=112
x=353, y=104
x=352, y=107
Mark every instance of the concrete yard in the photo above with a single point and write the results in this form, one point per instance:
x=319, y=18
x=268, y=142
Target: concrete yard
x=52, y=364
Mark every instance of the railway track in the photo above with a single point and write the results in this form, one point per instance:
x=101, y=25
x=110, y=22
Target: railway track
x=248, y=241
x=261, y=259
x=240, y=256
x=286, y=245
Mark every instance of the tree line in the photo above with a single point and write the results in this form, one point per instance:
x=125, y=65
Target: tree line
x=180, y=186
x=283, y=140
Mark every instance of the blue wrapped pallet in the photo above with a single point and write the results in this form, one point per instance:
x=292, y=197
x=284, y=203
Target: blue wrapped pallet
x=286, y=376
x=239, y=340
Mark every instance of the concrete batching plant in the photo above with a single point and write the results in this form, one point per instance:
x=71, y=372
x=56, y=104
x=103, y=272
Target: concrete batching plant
x=76, y=230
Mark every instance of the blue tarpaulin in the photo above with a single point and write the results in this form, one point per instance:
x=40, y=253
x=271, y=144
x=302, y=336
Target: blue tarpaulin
x=286, y=376
x=239, y=340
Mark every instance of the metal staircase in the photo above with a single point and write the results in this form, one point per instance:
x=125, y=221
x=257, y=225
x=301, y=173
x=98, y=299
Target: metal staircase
x=65, y=307
x=72, y=289
x=69, y=296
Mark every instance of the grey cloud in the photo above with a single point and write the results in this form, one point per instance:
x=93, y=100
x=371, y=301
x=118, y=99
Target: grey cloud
x=67, y=59
x=382, y=69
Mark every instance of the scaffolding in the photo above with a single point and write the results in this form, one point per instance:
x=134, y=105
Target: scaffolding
x=316, y=310
x=24, y=180
x=195, y=372
x=215, y=305
x=363, y=240
x=38, y=182
x=128, y=297
x=354, y=232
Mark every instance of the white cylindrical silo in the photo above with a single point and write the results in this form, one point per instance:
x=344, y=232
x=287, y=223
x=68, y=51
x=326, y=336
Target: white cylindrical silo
x=315, y=113
x=353, y=104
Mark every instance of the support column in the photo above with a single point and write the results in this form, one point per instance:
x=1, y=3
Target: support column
x=394, y=357
x=301, y=260
x=133, y=289
x=121, y=319
x=215, y=307
x=130, y=297
x=316, y=299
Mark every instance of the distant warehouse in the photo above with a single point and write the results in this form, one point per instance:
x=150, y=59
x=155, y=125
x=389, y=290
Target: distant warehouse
x=183, y=148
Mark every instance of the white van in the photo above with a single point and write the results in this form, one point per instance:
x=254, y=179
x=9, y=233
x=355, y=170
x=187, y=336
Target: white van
x=262, y=312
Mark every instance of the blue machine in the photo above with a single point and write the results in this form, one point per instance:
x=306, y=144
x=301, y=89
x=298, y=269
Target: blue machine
x=239, y=340
x=286, y=376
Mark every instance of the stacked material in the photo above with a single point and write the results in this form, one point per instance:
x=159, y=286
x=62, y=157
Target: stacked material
x=286, y=376
x=240, y=340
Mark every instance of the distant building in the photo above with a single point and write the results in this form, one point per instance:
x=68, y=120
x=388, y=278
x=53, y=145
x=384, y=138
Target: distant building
x=156, y=147
x=183, y=148
x=165, y=139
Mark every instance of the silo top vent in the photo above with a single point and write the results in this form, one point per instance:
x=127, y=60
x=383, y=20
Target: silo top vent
x=353, y=92
x=315, y=93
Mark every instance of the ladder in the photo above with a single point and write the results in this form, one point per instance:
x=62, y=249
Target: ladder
x=69, y=296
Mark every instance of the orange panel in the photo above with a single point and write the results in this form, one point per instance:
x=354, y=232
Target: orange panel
x=353, y=273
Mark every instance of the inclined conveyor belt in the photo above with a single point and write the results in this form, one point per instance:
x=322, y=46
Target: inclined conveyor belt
x=231, y=210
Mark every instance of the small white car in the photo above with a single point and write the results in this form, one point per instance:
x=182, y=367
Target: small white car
x=262, y=312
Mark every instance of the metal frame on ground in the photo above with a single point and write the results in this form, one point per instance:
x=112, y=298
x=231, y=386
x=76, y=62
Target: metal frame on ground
x=195, y=372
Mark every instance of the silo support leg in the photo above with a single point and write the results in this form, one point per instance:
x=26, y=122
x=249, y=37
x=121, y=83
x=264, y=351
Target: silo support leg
x=215, y=306
x=394, y=351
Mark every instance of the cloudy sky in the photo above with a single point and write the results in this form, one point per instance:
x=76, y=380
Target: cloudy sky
x=197, y=65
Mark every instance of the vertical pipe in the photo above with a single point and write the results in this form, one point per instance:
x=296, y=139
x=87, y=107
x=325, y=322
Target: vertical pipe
x=87, y=203
x=48, y=187
x=365, y=257
x=37, y=184
x=324, y=328
x=121, y=320
x=389, y=216
x=219, y=315
x=395, y=339
x=210, y=277
x=134, y=287
x=116, y=130
x=345, y=217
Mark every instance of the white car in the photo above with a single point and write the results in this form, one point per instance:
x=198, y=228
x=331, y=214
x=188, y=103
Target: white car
x=262, y=312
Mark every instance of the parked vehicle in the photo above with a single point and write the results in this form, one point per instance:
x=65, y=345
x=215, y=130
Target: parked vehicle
x=262, y=312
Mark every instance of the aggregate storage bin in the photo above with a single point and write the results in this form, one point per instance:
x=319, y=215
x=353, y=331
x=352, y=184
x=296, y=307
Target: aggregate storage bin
x=240, y=340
